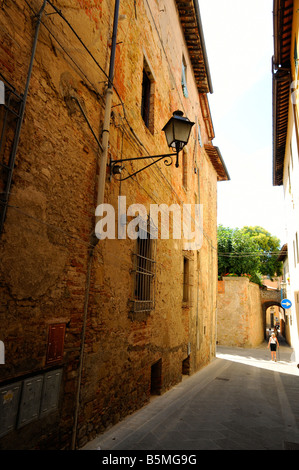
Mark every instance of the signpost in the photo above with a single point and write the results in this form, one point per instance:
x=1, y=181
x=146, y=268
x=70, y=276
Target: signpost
x=286, y=303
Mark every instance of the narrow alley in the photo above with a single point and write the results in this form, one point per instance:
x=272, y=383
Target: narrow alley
x=241, y=401
x=149, y=213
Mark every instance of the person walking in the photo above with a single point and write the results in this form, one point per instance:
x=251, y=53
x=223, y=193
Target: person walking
x=273, y=344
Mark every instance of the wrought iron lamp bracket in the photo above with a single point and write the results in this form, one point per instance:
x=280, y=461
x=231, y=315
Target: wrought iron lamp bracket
x=116, y=165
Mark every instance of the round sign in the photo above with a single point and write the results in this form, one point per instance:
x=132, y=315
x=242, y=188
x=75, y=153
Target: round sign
x=286, y=303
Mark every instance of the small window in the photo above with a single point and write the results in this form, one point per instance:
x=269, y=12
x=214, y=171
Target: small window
x=147, y=97
x=199, y=135
x=186, y=275
x=296, y=57
x=184, y=78
x=145, y=103
x=188, y=267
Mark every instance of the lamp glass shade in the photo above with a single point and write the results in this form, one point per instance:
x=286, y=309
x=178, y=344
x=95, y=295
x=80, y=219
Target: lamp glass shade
x=177, y=131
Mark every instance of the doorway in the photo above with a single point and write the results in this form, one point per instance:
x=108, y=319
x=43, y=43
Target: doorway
x=186, y=366
x=156, y=378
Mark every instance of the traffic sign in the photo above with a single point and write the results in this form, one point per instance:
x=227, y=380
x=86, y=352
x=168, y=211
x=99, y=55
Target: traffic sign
x=286, y=303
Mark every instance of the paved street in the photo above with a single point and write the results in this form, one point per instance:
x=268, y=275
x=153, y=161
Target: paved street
x=242, y=400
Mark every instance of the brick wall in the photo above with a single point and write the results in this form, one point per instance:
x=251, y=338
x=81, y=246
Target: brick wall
x=46, y=239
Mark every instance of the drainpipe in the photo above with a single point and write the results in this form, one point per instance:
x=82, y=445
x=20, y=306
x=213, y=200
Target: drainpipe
x=106, y=126
x=100, y=200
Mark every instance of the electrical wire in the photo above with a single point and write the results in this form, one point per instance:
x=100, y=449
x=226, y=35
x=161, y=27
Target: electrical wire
x=248, y=255
x=83, y=242
x=139, y=142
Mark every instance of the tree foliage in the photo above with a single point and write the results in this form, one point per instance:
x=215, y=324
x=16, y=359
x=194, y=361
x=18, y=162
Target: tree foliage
x=269, y=246
x=250, y=250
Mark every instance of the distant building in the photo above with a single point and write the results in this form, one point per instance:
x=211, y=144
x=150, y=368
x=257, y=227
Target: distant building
x=285, y=144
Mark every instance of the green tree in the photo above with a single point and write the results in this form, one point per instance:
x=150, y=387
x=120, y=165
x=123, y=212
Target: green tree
x=235, y=250
x=269, y=247
x=247, y=251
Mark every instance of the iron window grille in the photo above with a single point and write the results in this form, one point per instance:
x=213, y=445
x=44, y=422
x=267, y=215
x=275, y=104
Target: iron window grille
x=144, y=273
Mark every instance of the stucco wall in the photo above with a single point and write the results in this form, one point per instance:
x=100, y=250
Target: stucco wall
x=239, y=313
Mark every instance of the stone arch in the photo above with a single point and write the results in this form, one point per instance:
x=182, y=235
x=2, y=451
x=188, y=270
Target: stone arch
x=265, y=305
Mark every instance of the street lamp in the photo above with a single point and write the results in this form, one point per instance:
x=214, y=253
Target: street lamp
x=177, y=133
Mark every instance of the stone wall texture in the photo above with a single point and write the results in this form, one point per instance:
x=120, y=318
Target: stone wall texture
x=239, y=313
x=47, y=275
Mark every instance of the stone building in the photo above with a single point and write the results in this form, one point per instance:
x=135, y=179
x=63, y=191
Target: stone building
x=285, y=148
x=286, y=294
x=92, y=327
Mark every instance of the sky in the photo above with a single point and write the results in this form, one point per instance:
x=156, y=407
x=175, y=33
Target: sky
x=239, y=42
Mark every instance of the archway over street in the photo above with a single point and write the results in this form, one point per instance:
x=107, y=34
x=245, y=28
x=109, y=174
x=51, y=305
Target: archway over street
x=269, y=298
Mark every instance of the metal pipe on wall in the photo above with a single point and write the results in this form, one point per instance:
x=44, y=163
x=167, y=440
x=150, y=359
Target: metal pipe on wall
x=22, y=112
x=107, y=116
x=100, y=200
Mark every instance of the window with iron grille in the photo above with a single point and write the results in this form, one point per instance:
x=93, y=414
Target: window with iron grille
x=145, y=273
